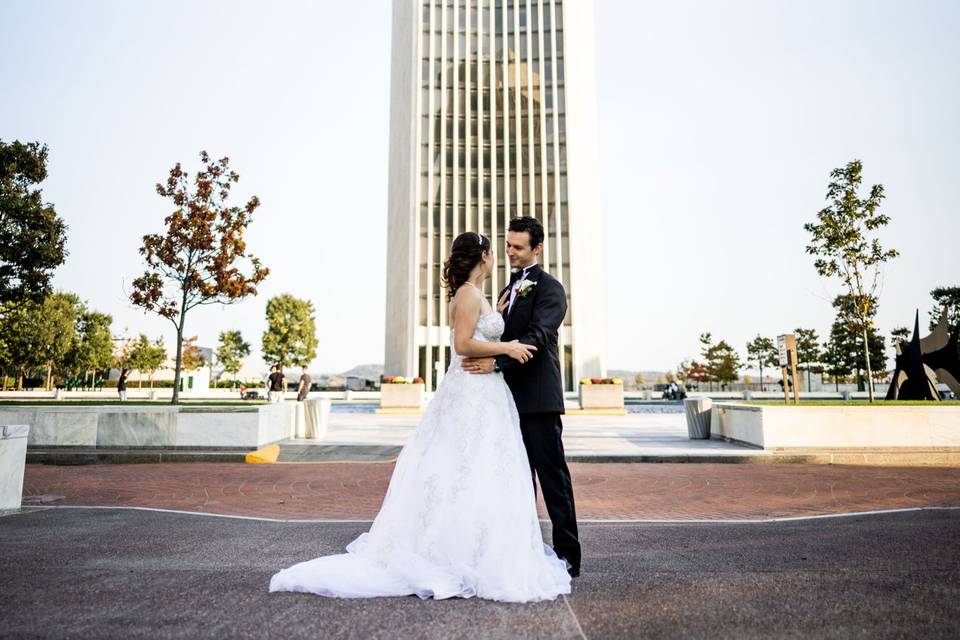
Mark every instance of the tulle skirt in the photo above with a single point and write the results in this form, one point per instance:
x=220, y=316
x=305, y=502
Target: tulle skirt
x=459, y=518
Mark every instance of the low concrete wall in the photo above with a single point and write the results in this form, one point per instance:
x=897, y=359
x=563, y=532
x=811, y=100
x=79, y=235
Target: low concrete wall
x=397, y=396
x=838, y=427
x=13, y=455
x=601, y=396
x=160, y=426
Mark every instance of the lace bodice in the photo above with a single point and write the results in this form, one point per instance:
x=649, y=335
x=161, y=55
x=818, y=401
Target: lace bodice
x=489, y=329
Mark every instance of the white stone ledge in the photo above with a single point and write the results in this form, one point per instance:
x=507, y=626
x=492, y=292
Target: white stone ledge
x=144, y=426
x=13, y=456
x=838, y=426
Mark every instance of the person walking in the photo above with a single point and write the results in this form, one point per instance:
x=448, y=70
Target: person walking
x=304, y=388
x=122, y=384
x=276, y=384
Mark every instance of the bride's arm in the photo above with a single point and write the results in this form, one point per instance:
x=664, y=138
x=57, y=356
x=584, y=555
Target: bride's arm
x=468, y=306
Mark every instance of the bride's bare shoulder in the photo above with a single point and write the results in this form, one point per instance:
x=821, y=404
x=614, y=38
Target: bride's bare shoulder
x=467, y=301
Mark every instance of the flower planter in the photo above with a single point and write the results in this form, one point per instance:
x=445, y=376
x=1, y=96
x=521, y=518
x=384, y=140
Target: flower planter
x=401, y=396
x=601, y=396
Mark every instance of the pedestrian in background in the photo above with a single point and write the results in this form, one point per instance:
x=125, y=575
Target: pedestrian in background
x=304, y=389
x=276, y=384
x=122, y=384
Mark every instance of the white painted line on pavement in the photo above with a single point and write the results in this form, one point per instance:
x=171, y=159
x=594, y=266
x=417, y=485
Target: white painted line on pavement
x=847, y=514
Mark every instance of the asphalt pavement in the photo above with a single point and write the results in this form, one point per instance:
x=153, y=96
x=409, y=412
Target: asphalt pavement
x=130, y=573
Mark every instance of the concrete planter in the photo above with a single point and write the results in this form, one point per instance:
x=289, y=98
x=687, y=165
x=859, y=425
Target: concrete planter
x=401, y=396
x=601, y=396
x=838, y=427
x=13, y=457
x=115, y=426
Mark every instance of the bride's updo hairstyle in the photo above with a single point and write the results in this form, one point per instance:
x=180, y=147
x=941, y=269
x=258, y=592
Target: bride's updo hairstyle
x=467, y=251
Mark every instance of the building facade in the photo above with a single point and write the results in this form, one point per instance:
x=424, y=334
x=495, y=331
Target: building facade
x=493, y=116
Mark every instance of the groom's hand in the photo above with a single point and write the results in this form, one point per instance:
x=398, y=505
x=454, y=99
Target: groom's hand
x=478, y=365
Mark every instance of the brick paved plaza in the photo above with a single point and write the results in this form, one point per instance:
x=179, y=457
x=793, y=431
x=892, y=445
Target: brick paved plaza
x=603, y=491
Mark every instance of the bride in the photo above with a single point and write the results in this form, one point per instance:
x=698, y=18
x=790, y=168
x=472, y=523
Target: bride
x=459, y=518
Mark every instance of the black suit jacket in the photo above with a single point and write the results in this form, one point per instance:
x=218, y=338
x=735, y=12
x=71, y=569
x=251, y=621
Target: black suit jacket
x=535, y=320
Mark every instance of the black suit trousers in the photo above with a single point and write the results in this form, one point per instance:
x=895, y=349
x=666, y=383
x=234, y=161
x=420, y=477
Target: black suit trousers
x=541, y=437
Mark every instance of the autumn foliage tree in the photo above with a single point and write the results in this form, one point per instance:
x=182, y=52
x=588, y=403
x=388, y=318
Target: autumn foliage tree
x=202, y=257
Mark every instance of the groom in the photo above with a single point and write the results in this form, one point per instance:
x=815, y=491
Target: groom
x=533, y=306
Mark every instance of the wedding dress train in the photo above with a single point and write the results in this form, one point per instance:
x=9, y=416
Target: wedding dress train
x=459, y=518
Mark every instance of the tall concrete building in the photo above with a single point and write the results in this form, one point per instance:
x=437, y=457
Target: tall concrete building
x=493, y=116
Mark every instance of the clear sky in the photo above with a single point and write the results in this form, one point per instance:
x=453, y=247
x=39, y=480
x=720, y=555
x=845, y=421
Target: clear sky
x=719, y=124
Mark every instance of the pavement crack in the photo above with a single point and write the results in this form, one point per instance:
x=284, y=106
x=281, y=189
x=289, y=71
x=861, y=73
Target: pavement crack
x=576, y=620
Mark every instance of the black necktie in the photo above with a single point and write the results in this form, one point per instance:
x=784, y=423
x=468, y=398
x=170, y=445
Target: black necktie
x=516, y=275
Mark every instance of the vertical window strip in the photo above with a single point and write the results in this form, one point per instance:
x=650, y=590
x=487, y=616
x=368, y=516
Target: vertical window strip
x=504, y=92
x=467, y=124
x=518, y=134
x=542, y=139
x=494, y=280
x=555, y=169
x=531, y=160
x=455, y=86
x=418, y=220
x=478, y=83
x=442, y=311
x=431, y=199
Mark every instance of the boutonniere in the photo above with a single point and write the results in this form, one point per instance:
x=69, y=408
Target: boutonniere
x=525, y=287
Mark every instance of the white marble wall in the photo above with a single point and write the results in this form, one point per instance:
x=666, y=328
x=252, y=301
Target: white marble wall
x=839, y=427
x=13, y=456
x=161, y=426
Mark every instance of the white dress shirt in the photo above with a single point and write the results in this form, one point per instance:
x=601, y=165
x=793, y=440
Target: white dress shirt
x=516, y=286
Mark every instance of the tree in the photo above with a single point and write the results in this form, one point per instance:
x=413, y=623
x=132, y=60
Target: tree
x=839, y=352
x=32, y=236
x=146, y=357
x=54, y=324
x=808, y=350
x=697, y=372
x=21, y=342
x=847, y=328
x=900, y=334
x=39, y=336
x=192, y=356
x=231, y=351
x=198, y=260
x=154, y=358
x=948, y=297
x=843, y=242
x=291, y=335
x=723, y=363
x=92, y=349
x=763, y=352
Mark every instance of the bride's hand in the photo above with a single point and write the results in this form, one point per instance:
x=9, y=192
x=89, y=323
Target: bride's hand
x=520, y=351
x=504, y=300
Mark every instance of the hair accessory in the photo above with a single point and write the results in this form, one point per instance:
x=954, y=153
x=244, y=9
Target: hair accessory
x=479, y=239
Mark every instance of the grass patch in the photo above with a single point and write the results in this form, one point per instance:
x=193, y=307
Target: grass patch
x=859, y=403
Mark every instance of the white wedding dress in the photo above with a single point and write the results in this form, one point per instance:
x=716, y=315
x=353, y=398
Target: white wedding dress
x=459, y=518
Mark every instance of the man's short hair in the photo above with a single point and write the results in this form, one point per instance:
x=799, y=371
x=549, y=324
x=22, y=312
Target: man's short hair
x=532, y=226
